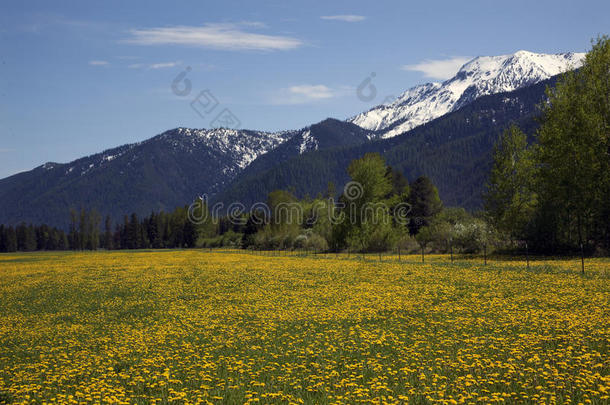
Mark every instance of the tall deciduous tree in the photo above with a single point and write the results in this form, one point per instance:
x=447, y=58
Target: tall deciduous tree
x=510, y=199
x=574, y=152
x=367, y=224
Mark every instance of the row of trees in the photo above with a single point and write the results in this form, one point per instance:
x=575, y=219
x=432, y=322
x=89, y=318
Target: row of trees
x=366, y=217
x=29, y=237
x=156, y=231
x=159, y=230
x=361, y=219
x=379, y=210
x=555, y=192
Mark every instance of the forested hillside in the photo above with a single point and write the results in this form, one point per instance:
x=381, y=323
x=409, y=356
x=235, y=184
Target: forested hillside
x=453, y=150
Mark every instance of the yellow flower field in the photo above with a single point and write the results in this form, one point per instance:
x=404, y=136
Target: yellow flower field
x=237, y=327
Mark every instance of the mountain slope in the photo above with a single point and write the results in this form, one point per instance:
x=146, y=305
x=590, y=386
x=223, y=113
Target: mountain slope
x=163, y=172
x=172, y=168
x=479, y=77
x=330, y=133
x=454, y=150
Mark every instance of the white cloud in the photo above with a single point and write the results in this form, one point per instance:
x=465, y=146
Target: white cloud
x=164, y=65
x=216, y=36
x=439, y=69
x=307, y=93
x=98, y=62
x=253, y=24
x=313, y=92
x=344, y=17
x=161, y=65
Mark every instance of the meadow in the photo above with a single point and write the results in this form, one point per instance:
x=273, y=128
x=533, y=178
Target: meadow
x=237, y=327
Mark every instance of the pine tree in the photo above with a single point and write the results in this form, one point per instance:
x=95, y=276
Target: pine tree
x=30, y=238
x=82, y=230
x=93, y=229
x=117, y=237
x=11, y=239
x=190, y=234
x=133, y=232
x=73, y=237
x=2, y=238
x=425, y=203
x=108, y=237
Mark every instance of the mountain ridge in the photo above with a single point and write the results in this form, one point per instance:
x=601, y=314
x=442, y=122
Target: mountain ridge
x=172, y=168
x=454, y=150
x=480, y=76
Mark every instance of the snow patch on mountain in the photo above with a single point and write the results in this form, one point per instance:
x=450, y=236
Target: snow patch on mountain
x=242, y=146
x=479, y=77
x=308, y=143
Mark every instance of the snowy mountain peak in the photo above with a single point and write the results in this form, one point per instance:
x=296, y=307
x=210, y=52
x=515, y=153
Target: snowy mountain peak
x=478, y=77
x=241, y=146
x=308, y=143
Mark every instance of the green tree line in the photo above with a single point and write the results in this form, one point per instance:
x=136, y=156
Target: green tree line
x=555, y=192
x=549, y=191
x=25, y=237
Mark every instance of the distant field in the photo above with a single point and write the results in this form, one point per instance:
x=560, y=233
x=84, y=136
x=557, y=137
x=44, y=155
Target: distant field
x=235, y=327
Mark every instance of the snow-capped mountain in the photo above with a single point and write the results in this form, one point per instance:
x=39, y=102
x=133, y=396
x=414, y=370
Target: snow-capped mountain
x=324, y=135
x=481, y=76
x=240, y=146
x=171, y=169
x=231, y=149
x=160, y=173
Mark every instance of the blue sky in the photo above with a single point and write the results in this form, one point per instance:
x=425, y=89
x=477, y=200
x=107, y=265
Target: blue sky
x=78, y=77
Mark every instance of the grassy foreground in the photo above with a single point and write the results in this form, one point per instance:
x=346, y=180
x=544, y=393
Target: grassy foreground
x=235, y=327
